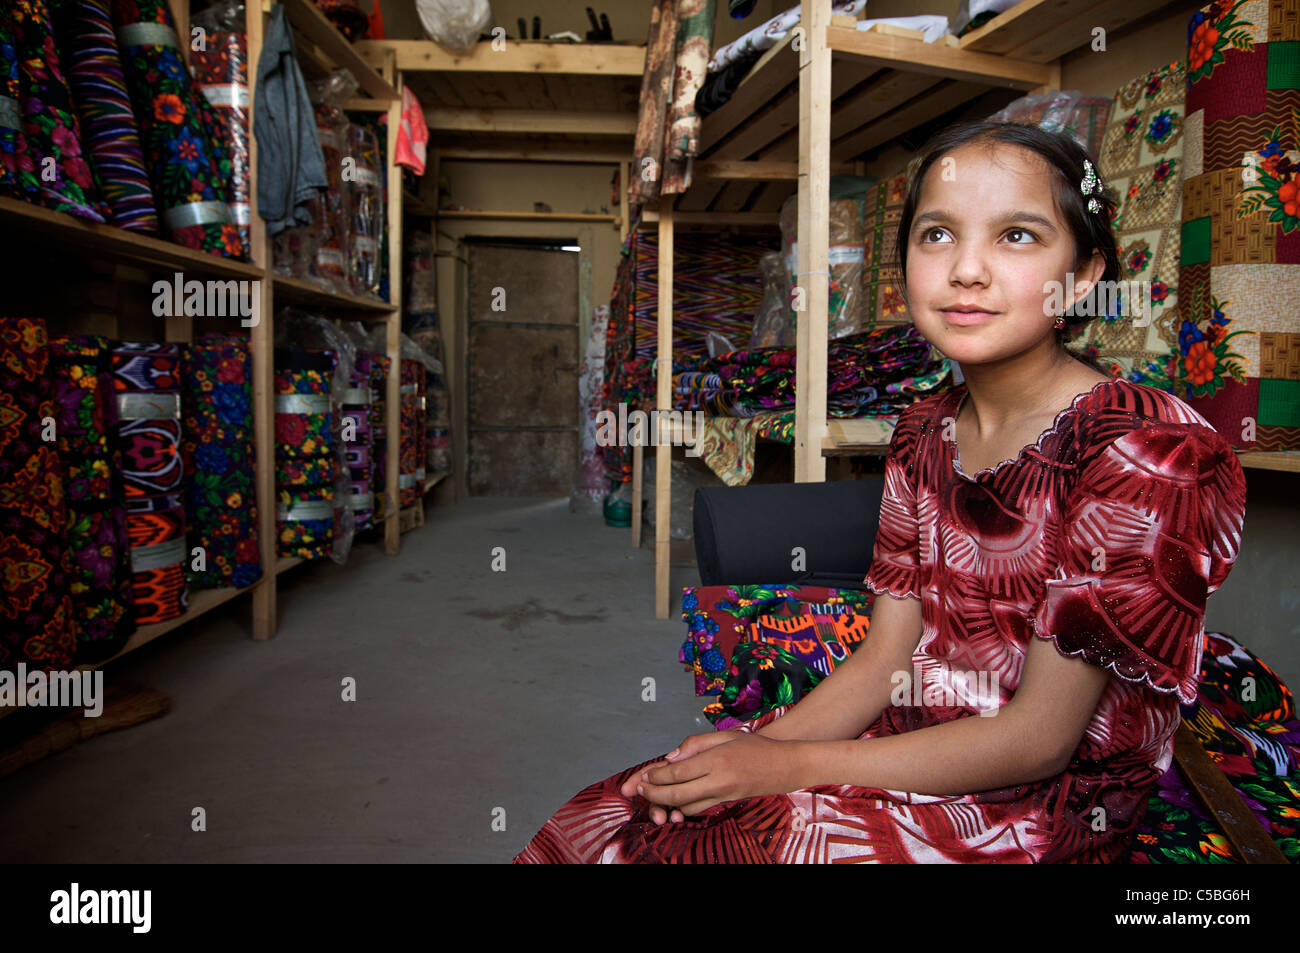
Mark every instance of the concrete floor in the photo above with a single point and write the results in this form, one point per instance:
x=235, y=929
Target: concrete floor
x=476, y=690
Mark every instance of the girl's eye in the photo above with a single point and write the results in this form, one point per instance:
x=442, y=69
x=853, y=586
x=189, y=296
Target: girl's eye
x=1021, y=236
x=931, y=235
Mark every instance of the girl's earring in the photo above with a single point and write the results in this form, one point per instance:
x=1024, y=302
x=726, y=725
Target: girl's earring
x=1060, y=322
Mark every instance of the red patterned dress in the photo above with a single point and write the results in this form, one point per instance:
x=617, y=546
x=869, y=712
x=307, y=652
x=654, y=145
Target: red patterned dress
x=1105, y=536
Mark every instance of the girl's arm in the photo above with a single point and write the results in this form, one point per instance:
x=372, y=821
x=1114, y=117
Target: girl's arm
x=1032, y=737
x=853, y=696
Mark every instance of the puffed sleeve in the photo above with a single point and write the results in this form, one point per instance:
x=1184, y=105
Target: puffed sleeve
x=895, y=561
x=1151, y=527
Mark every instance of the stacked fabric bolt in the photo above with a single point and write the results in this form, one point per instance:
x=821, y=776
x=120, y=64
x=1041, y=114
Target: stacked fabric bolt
x=410, y=479
x=380, y=367
x=221, y=69
x=147, y=384
x=220, y=499
x=358, y=439
x=304, y=452
x=51, y=167
x=110, y=134
x=366, y=210
x=103, y=609
x=17, y=171
x=36, y=611
x=329, y=211
x=189, y=174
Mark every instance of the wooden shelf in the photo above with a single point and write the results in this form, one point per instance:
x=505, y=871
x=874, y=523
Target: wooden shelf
x=288, y=562
x=327, y=47
x=1039, y=31
x=475, y=215
x=74, y=236
x=302, y=292
x=433, y=481
x=1288, y=461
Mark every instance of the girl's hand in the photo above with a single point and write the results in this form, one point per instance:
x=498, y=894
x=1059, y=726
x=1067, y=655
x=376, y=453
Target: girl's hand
x=690, y=746
x=747, y=766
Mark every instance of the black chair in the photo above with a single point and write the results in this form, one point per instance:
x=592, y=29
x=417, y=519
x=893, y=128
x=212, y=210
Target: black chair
x=746, y=535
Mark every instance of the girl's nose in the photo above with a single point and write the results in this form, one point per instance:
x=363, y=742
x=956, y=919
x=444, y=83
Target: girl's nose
x=969, y=264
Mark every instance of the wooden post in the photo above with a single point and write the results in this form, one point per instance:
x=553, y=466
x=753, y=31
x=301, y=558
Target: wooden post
x=813, y=274
x=664, y=401
x=262, y=345
x=624, y=218
x=392, y=527
x=638, y=463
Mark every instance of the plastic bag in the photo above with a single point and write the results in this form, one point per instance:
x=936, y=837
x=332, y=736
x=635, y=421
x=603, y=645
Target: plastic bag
x=454, y=24
x=719, y=344
x=846, y=256
x=591, y=485
x=331, y=212
x=774, y=324
x=688, y=475
x=1082, y=118
x=365, y=205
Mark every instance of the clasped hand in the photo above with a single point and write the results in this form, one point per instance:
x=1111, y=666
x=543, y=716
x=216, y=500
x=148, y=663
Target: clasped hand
x=710, y=769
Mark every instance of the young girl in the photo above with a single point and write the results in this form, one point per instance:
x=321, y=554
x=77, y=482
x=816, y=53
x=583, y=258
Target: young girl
x=1043, y=525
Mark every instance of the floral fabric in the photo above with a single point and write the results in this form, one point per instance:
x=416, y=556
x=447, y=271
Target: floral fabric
x=221, y=70
x=304, y=452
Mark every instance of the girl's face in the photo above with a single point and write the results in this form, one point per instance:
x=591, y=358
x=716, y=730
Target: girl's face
x=984, y=248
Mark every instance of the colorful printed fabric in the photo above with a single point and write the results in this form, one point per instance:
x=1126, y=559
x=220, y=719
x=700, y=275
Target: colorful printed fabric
x=109, y=131
x=156, y=528
x=1237, y=355
x=17, y=171
x=65, y=181
x=882, y=281
x=380, y=366
x=682, y=140
x=359, y=442
x=220, y=498
x=846, y=255
x=412, y=452
x=221, y=70
x=1255, y=742
x=1142, y=164
x=146, y=381
x=998, y=559
x=718, y=618
x=103, y=613
x=656, y=94
x=189, y=174
x=304, y=452
x=36, y=614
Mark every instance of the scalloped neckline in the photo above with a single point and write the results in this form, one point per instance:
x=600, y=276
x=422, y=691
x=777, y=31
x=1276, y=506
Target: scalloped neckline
x=1036, y=446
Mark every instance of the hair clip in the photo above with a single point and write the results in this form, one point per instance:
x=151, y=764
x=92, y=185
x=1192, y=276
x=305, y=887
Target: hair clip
x=1091, y=184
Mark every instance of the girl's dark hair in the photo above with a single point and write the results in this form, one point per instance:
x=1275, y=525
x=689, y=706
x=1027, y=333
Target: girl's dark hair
x=1090, y=230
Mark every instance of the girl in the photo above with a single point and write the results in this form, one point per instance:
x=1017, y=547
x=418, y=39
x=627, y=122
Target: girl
x=1049, y=528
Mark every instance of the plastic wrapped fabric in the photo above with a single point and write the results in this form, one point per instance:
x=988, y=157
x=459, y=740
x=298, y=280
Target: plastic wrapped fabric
x=189, y=174
x=845, y=259
x=774, y=324
x=454, y=24
x=688, y=475
x=300, y=330
x=220, y=67
x=1082, y=118
x=109, y=131
x=329, y=211
x=364, y=182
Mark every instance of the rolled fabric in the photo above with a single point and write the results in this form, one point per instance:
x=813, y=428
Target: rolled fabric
x=103, y=610
x=217, y=447
x=156, y=527
x=65, y=181
x=359, y=441
x=410, y=481
x=109, y=132
x=365, y=208
x=379, y=367
x=35, y=605
x=146, y=382
x=329, y=211
x=17, y=170
x=304, y=448
x=189, y=174
x=221, y=70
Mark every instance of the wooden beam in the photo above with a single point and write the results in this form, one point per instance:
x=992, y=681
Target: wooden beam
x=560, y=122
x=664, y=401
x=937, y=59
x=476, y=215
x=1063, y=34
x=716, y=218
x=812, y=276
x=514, y=56
x=313, y=26
x=763, y=170
x=608, y=157
x=938, y=101
x=392, y=528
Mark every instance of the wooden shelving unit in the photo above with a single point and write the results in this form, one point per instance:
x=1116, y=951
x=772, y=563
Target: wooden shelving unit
x=87, y=244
